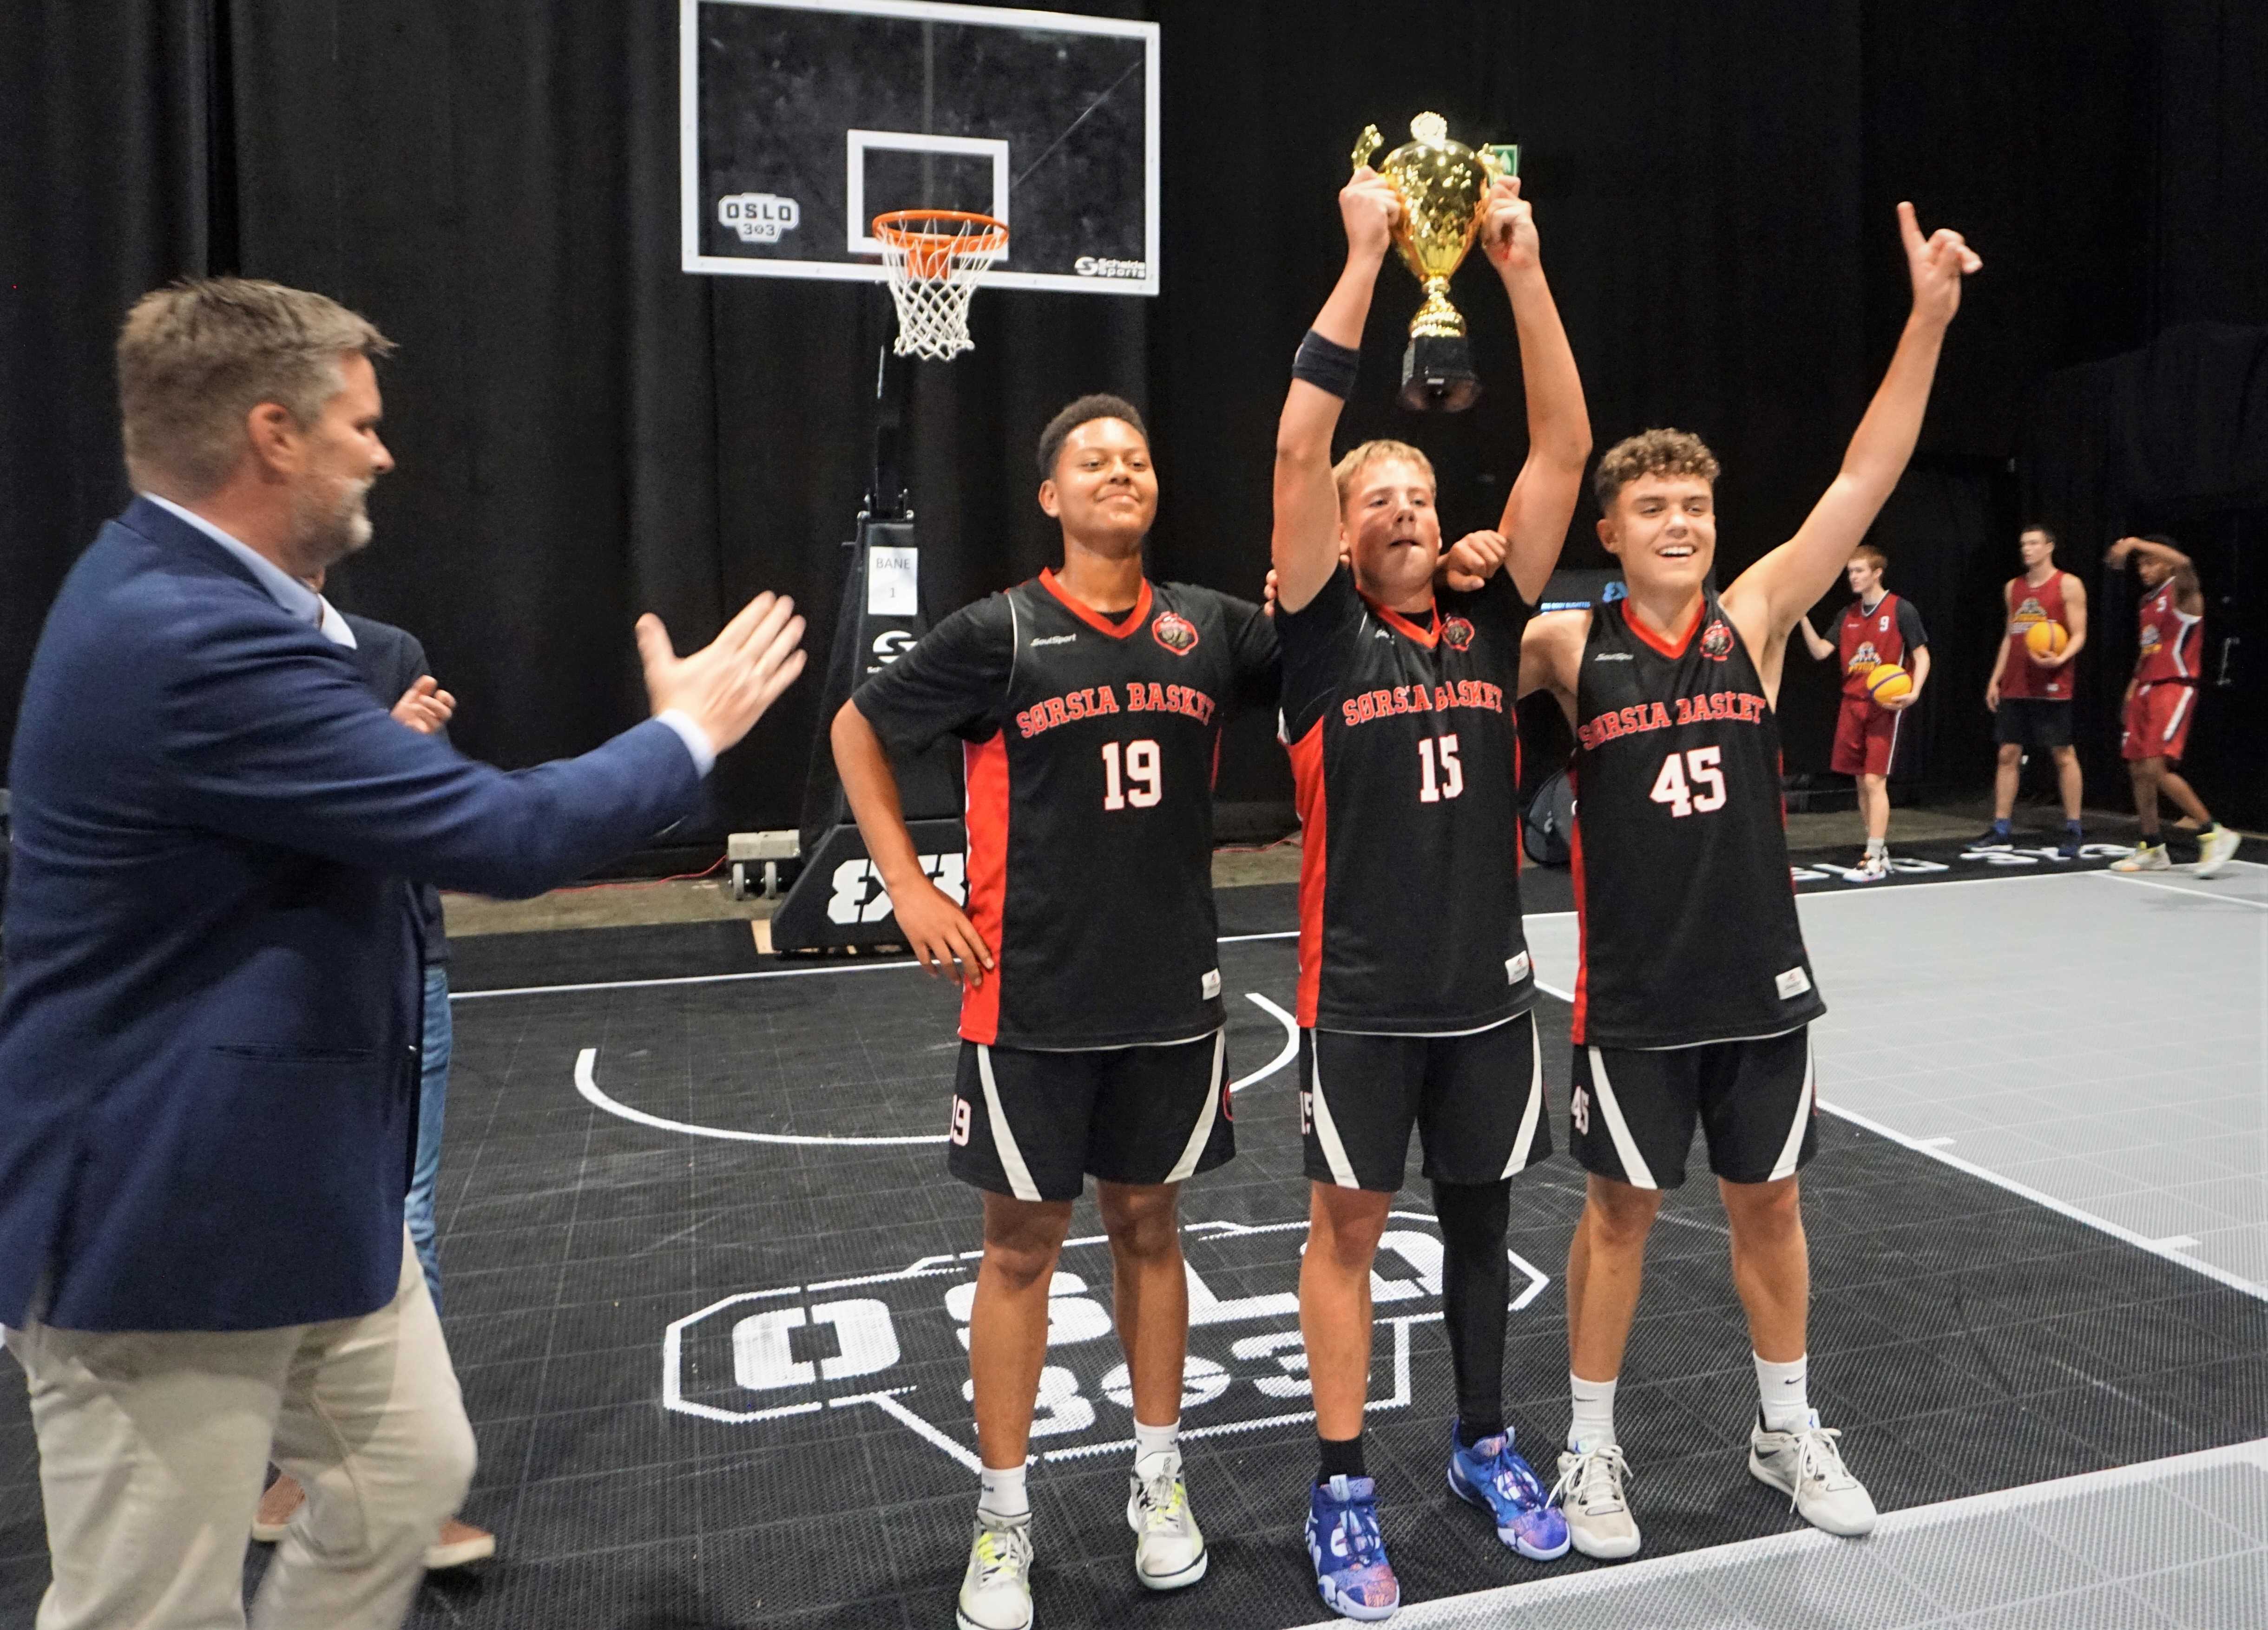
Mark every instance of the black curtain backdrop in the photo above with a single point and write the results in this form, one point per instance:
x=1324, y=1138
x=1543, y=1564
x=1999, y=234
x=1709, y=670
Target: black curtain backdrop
x=584, y=432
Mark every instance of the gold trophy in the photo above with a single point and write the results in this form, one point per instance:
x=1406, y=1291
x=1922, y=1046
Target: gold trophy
x=1444, y=186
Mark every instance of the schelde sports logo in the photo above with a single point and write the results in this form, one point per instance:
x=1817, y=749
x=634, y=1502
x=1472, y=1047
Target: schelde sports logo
x=1097, y=265
x=759, y=218
x=1717, y=642
x=1457, y=634
x=1176, y=633
x=896, y=1344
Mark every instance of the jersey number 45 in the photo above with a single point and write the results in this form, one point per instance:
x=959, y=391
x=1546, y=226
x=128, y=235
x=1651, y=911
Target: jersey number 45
x=1691, y=782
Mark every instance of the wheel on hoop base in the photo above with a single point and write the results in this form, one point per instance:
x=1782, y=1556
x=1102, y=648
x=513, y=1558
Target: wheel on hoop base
x=931, y=257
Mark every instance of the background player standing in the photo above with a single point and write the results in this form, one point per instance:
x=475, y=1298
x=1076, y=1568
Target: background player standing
x=1089, y=705
x=1877, y=628
x=1415, y=983
x=2161, y=702
x=1695, y=993
x=2030, y=696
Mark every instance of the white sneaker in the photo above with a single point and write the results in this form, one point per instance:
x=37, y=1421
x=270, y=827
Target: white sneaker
x=1807, y=1467
x=996, y=1592
x=2151, y=857
x=1874, y=866
x=2217, y=846
x=1169, y=1550
x=1590, y=1489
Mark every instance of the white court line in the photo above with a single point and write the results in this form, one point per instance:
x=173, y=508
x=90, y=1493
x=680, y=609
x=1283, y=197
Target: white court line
x=2200, y=892
x=1469, y=1608
x=1933, y=1148
x=587, y=1083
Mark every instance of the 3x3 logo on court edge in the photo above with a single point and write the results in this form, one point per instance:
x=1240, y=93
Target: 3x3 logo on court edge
x=897, y=1342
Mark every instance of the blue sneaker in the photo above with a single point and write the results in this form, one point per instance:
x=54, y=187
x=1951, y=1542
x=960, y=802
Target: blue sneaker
x=2068, y=849
x=1351, y=1572
x=1492, y=1476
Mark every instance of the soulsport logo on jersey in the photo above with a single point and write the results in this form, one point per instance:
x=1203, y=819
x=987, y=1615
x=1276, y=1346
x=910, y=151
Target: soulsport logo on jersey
x=1176, y=633
x=1717, y=642
x=1457, y=634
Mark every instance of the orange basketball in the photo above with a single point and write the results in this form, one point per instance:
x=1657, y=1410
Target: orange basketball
x=2046, y=639
x=1887, y=682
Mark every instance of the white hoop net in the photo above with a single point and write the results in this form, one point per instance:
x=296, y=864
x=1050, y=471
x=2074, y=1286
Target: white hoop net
x=932, y=258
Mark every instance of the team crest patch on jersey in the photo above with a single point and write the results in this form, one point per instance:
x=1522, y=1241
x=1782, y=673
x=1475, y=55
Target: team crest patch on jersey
x=2030, y=613
x=2153, y=641
x=1176, y=633
x=1717, y=642
x=1864, y=658
x=1457, y=634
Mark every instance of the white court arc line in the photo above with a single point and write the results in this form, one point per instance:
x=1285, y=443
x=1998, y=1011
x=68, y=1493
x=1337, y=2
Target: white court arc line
x=2199, y=891
x=1937, y=1151
x=587, y=1083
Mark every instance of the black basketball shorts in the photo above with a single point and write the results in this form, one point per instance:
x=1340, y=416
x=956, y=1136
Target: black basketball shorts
x=1633, y=1109
x=1035, y=1125
x=2035, y=723
x=1477, y=1100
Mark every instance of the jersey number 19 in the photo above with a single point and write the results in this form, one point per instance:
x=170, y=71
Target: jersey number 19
x=1132, y=776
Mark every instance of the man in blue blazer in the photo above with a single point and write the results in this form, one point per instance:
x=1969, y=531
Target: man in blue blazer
x=209, y=1035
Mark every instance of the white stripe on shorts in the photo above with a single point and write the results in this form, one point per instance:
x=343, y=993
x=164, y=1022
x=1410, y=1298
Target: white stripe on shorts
x=1784, y=1167
x=1534, y=1112
x=1636, y=1173
x=1004, y=1140
x=1326, y=1131
x=1186, y=1166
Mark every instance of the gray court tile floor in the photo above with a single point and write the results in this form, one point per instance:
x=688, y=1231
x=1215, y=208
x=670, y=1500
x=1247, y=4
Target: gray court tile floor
x=2094, y=1041
x=2180, y=1543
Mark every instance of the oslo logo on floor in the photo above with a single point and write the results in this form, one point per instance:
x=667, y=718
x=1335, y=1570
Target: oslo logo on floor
x=898, y=1342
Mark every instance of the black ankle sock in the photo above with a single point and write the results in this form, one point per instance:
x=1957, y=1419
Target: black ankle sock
x=1471, y=1432
x=1340, y=1458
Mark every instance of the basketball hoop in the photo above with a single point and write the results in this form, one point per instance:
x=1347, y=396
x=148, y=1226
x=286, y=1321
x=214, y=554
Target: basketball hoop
x=933, y=257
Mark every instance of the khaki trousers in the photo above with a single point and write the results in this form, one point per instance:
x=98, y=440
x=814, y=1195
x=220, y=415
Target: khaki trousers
x=154, y=1446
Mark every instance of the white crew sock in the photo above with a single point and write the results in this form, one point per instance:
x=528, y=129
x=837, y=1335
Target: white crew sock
x=1153, y=1442
x=1878, y=846
x=1781, y=1390
x=1593, y=1425
x=1003, y=1496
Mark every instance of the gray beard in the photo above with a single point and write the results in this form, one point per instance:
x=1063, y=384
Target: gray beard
x=329, y=533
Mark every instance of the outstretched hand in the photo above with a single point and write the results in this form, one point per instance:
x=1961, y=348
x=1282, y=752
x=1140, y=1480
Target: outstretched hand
x=426, y=707
x=1508, y=228
x=725, y=687
x=1936, y=264
x=1369, y=208
x=1470, y=562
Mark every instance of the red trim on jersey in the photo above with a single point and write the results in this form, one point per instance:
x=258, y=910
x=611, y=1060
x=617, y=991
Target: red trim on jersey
x=984, y=767
x=1582, y=924
x=1093, y=617
x=1307, y=788
x=1672, y=651
x=1401, y=624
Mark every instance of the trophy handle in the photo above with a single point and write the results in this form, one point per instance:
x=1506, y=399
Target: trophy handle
x=1500, y=159
x=1367, y=145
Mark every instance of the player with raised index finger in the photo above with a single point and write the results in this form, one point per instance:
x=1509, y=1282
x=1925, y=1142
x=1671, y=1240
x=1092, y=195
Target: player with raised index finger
x=1694, y=994
x=1415, y=985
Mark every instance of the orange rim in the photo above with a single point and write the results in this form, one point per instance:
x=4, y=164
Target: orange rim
x=930, y=252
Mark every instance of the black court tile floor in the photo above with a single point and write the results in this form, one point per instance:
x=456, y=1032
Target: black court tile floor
x=705, y=1283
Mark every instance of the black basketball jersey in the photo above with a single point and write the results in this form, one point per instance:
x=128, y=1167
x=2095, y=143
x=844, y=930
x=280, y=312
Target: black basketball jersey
x=1407, y=759
x=1682, y=890
x=1089, y=745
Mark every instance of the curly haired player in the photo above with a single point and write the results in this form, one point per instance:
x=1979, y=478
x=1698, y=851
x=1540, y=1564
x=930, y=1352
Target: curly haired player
x=2161, y=702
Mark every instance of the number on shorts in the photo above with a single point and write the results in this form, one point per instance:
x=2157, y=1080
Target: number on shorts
x=1691, y=782
x=960, y=1120
x=1450, y=781
x=1144, y=782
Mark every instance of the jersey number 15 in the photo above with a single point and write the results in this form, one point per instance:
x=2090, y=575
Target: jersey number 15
x=1691, y=782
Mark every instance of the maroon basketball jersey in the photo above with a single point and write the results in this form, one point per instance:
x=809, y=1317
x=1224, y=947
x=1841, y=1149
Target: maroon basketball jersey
x=2027, y=604
x=1870, y=636
x=2173, y=642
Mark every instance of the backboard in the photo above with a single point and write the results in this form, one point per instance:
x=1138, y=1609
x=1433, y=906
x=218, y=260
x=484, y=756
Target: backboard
x=802, y=120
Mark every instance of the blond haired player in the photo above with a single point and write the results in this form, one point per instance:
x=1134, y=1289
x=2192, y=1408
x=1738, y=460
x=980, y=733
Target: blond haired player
x=1415, y=982
x=1695, y=993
